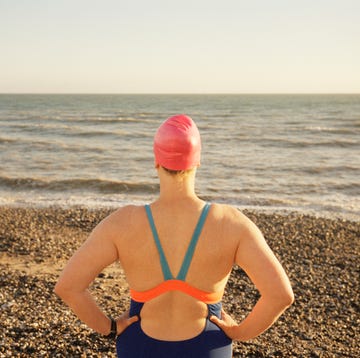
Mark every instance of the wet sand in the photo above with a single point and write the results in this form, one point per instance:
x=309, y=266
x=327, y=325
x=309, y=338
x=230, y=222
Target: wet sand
x=320, y=255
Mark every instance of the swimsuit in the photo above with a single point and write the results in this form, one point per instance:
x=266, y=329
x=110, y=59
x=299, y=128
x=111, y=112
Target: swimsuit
x=210, y=343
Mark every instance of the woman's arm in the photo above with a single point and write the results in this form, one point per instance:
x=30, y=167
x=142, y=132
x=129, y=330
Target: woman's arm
x=89, y=260
x=256, y=258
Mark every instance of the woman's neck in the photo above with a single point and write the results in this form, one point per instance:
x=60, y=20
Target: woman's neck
x=177, y=187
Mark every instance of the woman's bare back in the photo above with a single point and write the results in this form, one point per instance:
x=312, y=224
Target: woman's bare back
x=209, y=269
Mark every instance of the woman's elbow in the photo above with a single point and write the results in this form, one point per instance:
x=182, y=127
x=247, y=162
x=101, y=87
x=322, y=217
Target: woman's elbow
x=62, y=290
x=58, y=289
x=286, y=298
x=281, y=298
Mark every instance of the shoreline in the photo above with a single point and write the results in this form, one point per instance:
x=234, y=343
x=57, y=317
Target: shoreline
x=319, y=254
x=266, y=210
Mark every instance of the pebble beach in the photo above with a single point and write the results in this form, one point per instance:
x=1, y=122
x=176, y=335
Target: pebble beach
x=320, y=255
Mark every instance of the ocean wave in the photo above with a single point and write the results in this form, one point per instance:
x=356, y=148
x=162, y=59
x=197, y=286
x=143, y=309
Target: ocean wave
x=50, y=130
x=333, y=130
x=97, y=119
x=97, y=185
x=91, y=133
x=71, y=119
x=54, y=147
x=307, y=143
x=7, y=140
x=329, y=169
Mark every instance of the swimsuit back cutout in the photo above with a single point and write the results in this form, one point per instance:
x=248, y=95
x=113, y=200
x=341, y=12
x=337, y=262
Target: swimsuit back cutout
x=177, y=283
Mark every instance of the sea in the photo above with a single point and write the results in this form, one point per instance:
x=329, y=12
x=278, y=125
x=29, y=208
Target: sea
x=270, y=153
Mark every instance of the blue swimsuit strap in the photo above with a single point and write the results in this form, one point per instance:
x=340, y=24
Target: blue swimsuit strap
x=164, y=265
x=190, y=251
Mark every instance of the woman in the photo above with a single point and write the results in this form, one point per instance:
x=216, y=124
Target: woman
x=177, y=254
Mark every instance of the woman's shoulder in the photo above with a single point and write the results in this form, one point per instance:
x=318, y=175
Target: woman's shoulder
x=129, y=210
x=227, y=212
x=125, y=215
x=232, y=218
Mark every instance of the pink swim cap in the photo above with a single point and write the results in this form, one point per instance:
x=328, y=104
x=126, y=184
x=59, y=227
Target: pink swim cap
x=177, y=143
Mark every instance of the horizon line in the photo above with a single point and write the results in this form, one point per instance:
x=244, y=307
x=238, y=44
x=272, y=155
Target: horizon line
x=179, y=93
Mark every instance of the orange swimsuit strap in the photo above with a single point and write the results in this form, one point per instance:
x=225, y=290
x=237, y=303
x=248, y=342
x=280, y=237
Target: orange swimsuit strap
x=176, y=285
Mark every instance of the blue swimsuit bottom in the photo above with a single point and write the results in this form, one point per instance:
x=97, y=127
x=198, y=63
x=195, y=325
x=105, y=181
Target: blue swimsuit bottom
x=210, y=343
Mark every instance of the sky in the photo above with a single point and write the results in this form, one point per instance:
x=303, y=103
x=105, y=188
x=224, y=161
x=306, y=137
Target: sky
x=187, y=46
